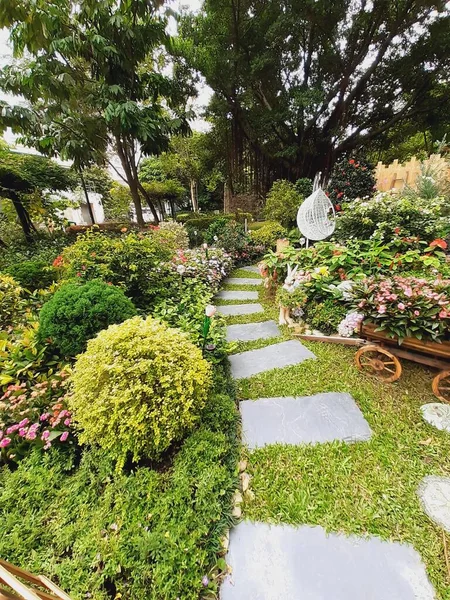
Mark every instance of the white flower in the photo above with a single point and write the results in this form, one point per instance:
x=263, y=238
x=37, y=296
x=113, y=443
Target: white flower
x=210, y=310
x=181, y=269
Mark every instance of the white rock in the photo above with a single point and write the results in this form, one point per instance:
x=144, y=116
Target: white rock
x=242, y=465
x=437, y=414
x=225, y=541
x=245, y=481
x=237, y=512
x=237, y=498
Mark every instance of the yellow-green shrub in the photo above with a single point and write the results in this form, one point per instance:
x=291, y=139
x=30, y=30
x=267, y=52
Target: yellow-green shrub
x=268, y=234
x=10, y=300
x=139, y=387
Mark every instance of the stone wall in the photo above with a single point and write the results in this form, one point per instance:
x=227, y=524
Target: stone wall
x=397, y=175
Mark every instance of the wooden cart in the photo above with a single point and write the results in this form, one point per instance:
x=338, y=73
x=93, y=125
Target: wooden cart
x=380, y=356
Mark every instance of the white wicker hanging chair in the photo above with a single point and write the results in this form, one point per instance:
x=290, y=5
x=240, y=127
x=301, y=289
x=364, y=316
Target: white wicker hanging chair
x=316, y=216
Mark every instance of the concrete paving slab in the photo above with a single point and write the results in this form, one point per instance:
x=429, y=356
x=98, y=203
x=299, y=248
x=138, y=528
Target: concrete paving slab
x=281, y=562
x=303, y=420
x=237, y=295
x=252, y=331
x=437, y=414
x=434, y=493
x=243, y=281
x=240, y=309
x=276, y=356
x=251, y=269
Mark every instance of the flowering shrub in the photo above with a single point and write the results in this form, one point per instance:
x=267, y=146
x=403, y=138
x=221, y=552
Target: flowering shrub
x=351, y=178
x=76, y=313
x=156, y=404
x=34, y=414
x=406, y=306
x=10, y=300
x=390, y=216
x=209, y=265
x=171, y=236
x=324, y=315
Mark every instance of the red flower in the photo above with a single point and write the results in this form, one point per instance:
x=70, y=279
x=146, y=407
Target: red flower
x=78, y=274
x=439, y=242
x=340, y=194
x=58, y=262
x=351, y=162
x=397, y=230
x=337, y=207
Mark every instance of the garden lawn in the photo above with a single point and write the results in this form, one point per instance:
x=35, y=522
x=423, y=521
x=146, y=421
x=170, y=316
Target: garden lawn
x=365, y=488
x=145, y=533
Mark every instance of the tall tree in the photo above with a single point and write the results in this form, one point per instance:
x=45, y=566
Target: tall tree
x=92, y=72
x=300, y=82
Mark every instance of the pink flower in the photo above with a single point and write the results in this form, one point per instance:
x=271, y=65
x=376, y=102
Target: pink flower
x=408, y=292
x=47, y=445
x=5, y=442
x=443, y=314
x=44, y=417
x=401, y=306
x=24, y=422
x=382, y=309
x=12, y=429
x=45, y=435
x=64, y=436
x=67, y=422
x=31, y=435
x=23, y=431
x=417, y=313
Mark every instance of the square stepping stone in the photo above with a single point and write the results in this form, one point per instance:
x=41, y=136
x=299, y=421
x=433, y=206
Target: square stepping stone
x=305, y=420
x=252, y=331
x=243, y=281
x=251, y=269
x=237, y=295
x=240, y=309
x=280, y=562
x=276, y=356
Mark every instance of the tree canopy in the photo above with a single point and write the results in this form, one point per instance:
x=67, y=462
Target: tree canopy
x=299, y=83
x=93, y=74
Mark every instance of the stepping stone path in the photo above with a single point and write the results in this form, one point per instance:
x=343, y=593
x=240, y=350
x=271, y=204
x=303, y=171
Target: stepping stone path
x=243, y=281
x=276, y=356
x=310, y=420
x=240, y=309
x=252, y=331
x=227, y=295
x=282, y=562
x=437, y=414
x=434, y=493
x=252, y=269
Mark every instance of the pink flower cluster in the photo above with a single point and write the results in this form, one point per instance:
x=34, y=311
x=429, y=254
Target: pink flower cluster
x=408, y=304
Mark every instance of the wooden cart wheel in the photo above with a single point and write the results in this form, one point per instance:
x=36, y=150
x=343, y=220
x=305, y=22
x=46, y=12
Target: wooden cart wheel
x=379, y=362
x=441, y=386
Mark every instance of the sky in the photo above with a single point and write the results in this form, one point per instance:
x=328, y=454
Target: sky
x=204, y=92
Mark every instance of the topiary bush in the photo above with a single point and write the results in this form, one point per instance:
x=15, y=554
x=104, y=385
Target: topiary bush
x=33, y=274
x=10, y=300
x=76, y=313
x=282, y=203
x=350, y=179
x=268, y=234
x=138, y=388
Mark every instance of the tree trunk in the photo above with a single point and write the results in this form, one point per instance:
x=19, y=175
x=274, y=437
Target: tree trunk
x=86, y=195
x=194, y=195
x=149, y=202
x=132, y=182
x=24, y=217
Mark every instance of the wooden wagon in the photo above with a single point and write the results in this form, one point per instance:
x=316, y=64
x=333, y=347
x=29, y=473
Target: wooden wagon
x=380, y=355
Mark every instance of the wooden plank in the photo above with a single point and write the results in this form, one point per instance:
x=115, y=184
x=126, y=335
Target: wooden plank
x=36, y=580
x=18, y=572
x=8, y=595
x=441, y=350
x=331, y=339
x=422, y=359
x=16, y=585
x=54, y=588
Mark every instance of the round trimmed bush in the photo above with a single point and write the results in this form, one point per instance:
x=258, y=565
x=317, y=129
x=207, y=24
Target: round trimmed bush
x=76, y=313
x=139, y=387
x=268, y=234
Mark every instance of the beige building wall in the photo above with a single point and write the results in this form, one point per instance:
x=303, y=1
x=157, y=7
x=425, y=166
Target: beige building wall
x=397, y=175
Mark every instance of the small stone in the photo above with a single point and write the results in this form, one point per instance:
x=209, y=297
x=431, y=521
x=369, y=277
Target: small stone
x=318, y=333
x=434, y=492
x=225, y=541
x=245, y=481
x=242, y=465
x=237, y=498
x=437, y=414
x=237, y=512
x=249, y=495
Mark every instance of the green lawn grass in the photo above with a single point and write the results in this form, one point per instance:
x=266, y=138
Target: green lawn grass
x=366, y=488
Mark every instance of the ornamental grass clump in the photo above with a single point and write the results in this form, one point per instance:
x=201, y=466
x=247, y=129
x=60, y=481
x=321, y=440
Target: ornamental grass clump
x=138, y=388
